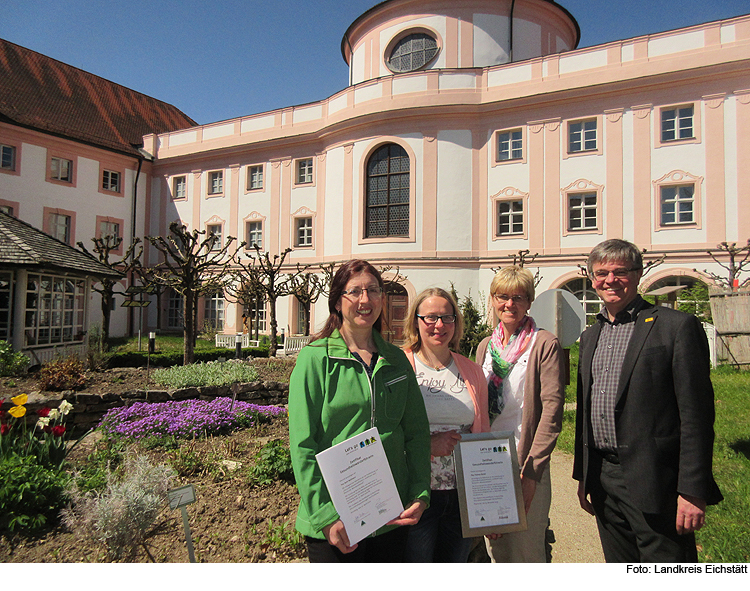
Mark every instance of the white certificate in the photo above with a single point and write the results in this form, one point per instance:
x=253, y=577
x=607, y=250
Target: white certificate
x=489, y=484
x=361, y=485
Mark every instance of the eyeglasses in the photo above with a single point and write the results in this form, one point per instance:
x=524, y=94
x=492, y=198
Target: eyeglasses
x=502, y=298
x=601, y=274
x=356, y=292
x=431, y=319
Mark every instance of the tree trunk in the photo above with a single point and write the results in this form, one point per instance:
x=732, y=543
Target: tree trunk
x=272, y=320
x=189, y=330
x=106, y=315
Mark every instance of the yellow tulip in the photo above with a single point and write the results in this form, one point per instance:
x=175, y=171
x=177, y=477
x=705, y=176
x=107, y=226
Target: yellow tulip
x=17, y=411
x=20, y=399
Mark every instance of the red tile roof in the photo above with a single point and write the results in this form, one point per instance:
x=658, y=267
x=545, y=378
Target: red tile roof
x=41, y=93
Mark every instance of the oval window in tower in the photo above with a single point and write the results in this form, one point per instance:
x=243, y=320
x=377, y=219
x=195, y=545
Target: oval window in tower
x=412, y=52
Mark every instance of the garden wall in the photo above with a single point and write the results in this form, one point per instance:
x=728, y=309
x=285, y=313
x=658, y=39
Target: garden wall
x=88, y=409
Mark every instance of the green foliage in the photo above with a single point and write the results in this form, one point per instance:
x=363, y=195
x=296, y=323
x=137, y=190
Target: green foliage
x=12, y=363
x=475, y=323
x=206, y=374
x=62, y=374
x=273, y=462
x=168, y=359
x=281, y=535
x=694, y=300
x=30, y=494
x=125, y=515
x=93, y=473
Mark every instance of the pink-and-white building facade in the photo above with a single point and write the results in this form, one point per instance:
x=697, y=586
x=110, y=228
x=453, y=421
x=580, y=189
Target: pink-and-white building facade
x=472, y=130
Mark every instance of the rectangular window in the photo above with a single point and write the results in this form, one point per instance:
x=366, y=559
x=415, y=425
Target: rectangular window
x=109, y=232
x=301, y=319
x=304, y=232
x=257, y=315
x=510, y=145
x=6, y=304
x=61, y=169
x=59, y=227
x=6, y=209
x=55, y=310
x=509, y=217
x=582, y=211
x=254, y=178
x=215, y=230
x=254, y=233
x=677, y=124
x=677, y=204
x=582, y=136
x=214, y=311
x=305, y=171
x=175, y=318
x=111, y=181
x=215, y=182
x=7, y=157
x=179, y=187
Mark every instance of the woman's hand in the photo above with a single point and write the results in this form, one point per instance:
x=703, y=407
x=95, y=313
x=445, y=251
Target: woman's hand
x=336, y=536
x=411, y=515
x=528, y=488
x=442, y=444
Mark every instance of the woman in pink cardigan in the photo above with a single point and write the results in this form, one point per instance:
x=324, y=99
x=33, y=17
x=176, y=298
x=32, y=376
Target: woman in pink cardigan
x=525, y=372
x=455, y=395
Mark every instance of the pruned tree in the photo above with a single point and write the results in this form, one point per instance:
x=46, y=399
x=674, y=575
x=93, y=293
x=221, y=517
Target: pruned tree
x=247, y=290
x=273, y=282
x=194, y=265
x=519, y=259
x=739, y=261
x=307, y=287
x=104, y=246
x=648, y=266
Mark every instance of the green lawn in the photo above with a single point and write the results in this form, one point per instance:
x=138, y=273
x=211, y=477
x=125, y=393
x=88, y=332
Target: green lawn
x=726, y=535
x=164, y=344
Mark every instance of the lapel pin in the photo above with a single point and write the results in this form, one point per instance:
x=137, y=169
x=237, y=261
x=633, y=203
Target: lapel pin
x=650, y=319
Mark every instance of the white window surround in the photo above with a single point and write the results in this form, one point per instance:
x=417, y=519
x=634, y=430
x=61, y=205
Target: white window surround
x=672, y=182
x=303, y=231
x=502, y=200
x=215, y=183
x=582, y=208
x=255, y=177
x=510, y=146
x=254, y=226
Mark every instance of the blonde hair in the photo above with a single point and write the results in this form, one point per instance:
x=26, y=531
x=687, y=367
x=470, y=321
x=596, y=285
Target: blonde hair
x=411, y=328
x=508, y=280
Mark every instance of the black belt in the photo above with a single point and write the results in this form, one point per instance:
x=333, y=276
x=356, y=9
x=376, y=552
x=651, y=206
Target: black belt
x=609, y=456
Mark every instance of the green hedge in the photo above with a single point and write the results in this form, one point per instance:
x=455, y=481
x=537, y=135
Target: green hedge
x=140, y=358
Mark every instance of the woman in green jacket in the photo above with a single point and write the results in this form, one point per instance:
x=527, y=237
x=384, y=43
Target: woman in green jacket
x=348, y=380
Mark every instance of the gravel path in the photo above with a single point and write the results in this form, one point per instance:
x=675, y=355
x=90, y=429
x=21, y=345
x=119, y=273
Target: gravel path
x=576, y=536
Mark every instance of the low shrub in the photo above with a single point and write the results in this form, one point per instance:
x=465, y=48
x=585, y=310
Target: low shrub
x=168, y=359
x=273, y=462
x=213, y=373
x=12, y=363
x=62, y=374
x=30, y=494
x=182, y=419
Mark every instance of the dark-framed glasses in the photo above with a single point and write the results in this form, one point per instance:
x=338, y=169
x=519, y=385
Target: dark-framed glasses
x=602, y=274
x=431, y=319
x=356, y=292
x=501, y=298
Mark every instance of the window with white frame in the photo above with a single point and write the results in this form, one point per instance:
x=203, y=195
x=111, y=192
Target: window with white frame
x=510, y=145
x=387, y=196
x=304, y=171
x=301, y=319
x=55, y=310
x=586, y=294
x=582, y=136
x=254, y=234
x=582, y=211
x=59, y=227
x=509, y=217
x=258, y=319
x=61, y=169
x=304, y=227
x=213, y=316
x=175, y=316
x=6, y=304
x=109, y=232
x=216, y=182
x=254, y=177
x=677, y=123
x=179, y=187
x=215, y=230
x=111, y=181
x=677, y=204
x=7, y=157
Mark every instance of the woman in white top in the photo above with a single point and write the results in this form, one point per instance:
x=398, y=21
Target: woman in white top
x=455, y=395
x=525, y=373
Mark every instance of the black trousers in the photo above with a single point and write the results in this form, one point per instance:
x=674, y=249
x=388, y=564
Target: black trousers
x=627, y=534
x=387, y=547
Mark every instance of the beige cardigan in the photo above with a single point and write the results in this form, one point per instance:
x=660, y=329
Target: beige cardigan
x=543, y=399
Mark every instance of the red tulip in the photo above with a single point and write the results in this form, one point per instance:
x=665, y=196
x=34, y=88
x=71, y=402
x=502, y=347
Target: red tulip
x=4, y=429
x=43, y=412
x=48, y=428
x=58, y=430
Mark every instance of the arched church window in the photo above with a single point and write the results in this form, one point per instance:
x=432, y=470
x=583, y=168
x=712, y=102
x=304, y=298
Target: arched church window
x=387, y=195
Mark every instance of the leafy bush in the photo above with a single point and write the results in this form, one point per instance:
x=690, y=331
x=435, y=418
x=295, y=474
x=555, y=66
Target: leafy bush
x=12, y=363
x=62, y=374
x=30, y=494
x=125, y=515
x=273, y=462
x=141, y=358
x=185, y=419
x=206, y=374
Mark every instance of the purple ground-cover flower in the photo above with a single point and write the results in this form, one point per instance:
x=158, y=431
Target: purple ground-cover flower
x=183, y=419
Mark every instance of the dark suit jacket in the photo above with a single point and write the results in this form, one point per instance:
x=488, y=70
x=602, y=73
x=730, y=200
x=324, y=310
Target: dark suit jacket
x=664, y=411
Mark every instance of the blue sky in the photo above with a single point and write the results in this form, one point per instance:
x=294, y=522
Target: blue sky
x=220, y=59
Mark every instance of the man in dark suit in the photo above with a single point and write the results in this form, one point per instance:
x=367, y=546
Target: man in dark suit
x=645, y=414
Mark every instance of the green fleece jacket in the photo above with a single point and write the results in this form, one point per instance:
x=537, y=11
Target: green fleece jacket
x=331, y=398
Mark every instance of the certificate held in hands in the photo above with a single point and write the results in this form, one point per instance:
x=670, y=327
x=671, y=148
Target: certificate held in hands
x=361, y=485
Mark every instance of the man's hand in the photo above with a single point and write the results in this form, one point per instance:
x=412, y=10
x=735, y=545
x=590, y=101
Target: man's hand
x=584, y=502
x=336, y=536
x=411, y=515
x=691, y=514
